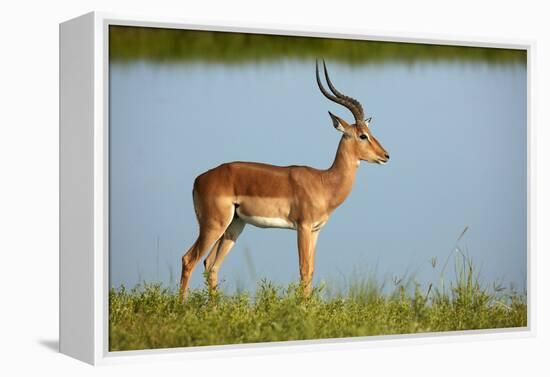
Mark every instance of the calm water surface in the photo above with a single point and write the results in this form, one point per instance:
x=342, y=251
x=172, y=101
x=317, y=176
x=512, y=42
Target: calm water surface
x=456, y=133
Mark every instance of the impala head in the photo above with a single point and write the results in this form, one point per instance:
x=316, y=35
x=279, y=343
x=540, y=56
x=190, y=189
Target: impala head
x=365, y=144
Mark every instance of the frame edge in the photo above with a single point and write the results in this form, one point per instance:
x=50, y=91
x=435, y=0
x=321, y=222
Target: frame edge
x=76, y=193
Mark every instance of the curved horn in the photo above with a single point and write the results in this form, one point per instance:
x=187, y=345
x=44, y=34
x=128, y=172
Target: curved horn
x=350, y=103
x=355, y=103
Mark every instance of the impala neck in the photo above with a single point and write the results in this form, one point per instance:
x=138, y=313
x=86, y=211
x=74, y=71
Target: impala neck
x=341, y=175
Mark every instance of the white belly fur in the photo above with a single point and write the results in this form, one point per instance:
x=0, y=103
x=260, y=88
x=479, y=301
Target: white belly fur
x=266, y=222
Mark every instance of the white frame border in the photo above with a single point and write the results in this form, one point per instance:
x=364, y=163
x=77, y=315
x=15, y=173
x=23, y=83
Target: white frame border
x=101, y=185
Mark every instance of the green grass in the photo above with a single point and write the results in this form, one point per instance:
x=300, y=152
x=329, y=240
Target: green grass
x=157, y=44
x=151, y=316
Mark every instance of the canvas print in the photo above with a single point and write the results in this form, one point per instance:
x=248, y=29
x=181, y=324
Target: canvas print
x=272, y=188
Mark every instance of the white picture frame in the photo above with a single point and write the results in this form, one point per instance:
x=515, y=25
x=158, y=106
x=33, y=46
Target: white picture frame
x=84, y=206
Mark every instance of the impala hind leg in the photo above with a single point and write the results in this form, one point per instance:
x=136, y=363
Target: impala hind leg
x=223, y=246
x=188, y=262
x=209, y=260
x=210, y=232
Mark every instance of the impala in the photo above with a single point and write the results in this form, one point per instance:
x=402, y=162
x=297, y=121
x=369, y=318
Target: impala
x=302, y=198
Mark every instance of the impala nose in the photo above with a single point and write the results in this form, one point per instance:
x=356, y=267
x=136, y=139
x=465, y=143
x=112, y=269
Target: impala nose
x=387, y=156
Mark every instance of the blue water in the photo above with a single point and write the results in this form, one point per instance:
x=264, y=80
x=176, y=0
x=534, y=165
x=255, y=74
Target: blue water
x=456, y=133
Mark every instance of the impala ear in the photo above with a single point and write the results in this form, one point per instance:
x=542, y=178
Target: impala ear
x=368, y=120
x=338, y=123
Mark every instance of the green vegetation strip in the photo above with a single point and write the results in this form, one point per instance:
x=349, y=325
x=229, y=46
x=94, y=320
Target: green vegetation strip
x=154, y=317
x=129, y=43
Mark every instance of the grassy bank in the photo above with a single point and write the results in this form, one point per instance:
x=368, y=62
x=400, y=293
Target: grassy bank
x=151, y=316
x=157, y=44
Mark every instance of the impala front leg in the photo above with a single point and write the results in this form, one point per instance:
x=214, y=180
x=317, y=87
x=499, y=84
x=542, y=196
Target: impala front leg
x=307, y=240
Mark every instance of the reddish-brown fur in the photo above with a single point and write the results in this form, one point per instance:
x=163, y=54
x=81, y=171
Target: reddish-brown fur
x=296, y=197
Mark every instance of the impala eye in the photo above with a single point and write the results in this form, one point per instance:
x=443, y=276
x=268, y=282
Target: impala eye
x=363, y=137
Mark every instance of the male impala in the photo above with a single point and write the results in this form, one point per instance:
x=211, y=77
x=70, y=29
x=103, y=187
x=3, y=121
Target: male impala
x=294, y=197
